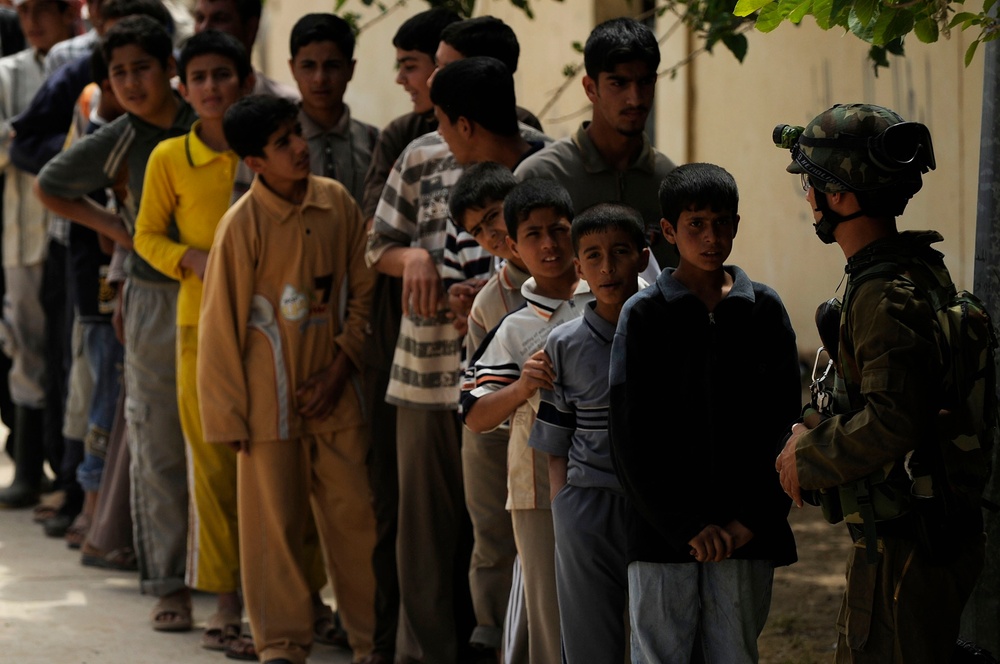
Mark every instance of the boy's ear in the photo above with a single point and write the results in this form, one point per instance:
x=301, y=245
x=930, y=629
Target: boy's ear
x=590, y=88
x=512, y=245
x=643, y=260
x=736, y=224
x=350, y=70
x=255, y=163
x=669, y=232
x=250, y=82
x=465, y=127
x=182, y=88
x=579, y=272
x=171, y=67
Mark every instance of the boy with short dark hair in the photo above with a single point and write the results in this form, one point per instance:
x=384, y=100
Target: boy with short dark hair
x=190, y=182
x=696, y=458
x=322, y=64
x=148, y=305
x=504, y=377
x=476, y=206
x=589, y=509
x=287, y=297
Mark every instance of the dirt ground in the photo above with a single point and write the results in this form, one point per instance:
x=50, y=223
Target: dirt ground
x=801, y=628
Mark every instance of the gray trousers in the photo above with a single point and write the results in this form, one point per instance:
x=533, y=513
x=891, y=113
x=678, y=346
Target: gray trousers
x=156, y=444
x=671, y=604
x=429, y=540
x=484, y=470
x=23, y=335
x=591, y=573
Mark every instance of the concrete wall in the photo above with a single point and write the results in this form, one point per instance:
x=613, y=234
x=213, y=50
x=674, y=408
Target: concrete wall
x=716, y=109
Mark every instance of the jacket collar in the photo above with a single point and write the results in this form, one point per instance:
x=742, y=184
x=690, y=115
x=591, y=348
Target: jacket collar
x=672, y=290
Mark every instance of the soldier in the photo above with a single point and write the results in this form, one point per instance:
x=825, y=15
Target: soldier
x=911, y=497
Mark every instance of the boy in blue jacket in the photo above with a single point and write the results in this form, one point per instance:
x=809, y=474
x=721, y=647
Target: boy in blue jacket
x=704, y=382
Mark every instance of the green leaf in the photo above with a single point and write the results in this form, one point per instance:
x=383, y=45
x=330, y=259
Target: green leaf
x=737, y=44
x=971, y=52
x=891, y=24
x=926, y=30
x=962, y=17
x=878, y=57
x=822, y=10
x=839, y=12
x=865, y=11
x=578, y=47
x=795, y=10
x=987, y=6
x=747, y=7
x=769, y=18
x=861, y=29
x=895, y=46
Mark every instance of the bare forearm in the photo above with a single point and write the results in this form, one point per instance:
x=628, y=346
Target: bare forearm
x=492, y=410
x=87, y=213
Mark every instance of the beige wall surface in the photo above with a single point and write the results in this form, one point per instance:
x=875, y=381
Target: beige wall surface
x=790, y=76
x=718, y=110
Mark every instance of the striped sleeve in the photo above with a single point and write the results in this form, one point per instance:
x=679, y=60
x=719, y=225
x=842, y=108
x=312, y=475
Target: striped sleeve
x=553, y=430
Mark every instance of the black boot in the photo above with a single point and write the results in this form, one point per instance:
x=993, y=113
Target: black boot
x=29, y=455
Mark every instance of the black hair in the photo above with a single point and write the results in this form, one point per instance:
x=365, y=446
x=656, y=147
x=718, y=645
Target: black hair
x=619, y=40
x=313, y=28
x=249, y=123
x=479, y=185
x=142, y=31
x=154, y=9
x=609, y=216
x=889, y=202
x=214, y=42
x=423, y=31
x=98, y=65
x=480, y=90
x=484, y=35
x=530, y=195
x=697, y=186
x=248, y=9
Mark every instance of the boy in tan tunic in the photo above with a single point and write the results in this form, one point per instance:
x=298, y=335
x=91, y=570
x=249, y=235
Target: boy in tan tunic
x=285, y=304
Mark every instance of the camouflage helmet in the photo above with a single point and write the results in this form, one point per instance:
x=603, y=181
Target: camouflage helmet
x=859, y=147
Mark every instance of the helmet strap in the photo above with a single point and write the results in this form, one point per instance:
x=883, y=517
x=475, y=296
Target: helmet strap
x=830, y=219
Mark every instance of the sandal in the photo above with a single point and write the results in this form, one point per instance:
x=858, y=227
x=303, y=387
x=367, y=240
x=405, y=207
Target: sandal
x=172, y=613
x=220, y=630
x=77, y=532
x=327, y=628
x=49, y=507
x=122, y=559
x=242, y=648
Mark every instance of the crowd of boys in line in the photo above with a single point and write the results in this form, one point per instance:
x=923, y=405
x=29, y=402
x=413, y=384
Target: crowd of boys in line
x=415, y=362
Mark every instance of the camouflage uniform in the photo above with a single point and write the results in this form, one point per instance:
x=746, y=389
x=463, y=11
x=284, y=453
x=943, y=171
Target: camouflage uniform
x=887, y=398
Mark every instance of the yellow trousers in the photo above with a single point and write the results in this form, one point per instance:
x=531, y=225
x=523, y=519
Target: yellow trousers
x=213, y=561
x=278, y=480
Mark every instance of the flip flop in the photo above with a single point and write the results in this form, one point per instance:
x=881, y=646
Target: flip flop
x=242, y=648
x=327, y=628
x=122, y=559
x=172, y=613
x=221, y=630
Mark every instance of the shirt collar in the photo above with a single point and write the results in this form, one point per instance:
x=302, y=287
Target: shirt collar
x=545, y=307
x=603, y=331
x=671, y=289
x=316, y=197
x=197, y=152
x=593, y=162
x=183, y=119
x=311, y=130
x=512, y=277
